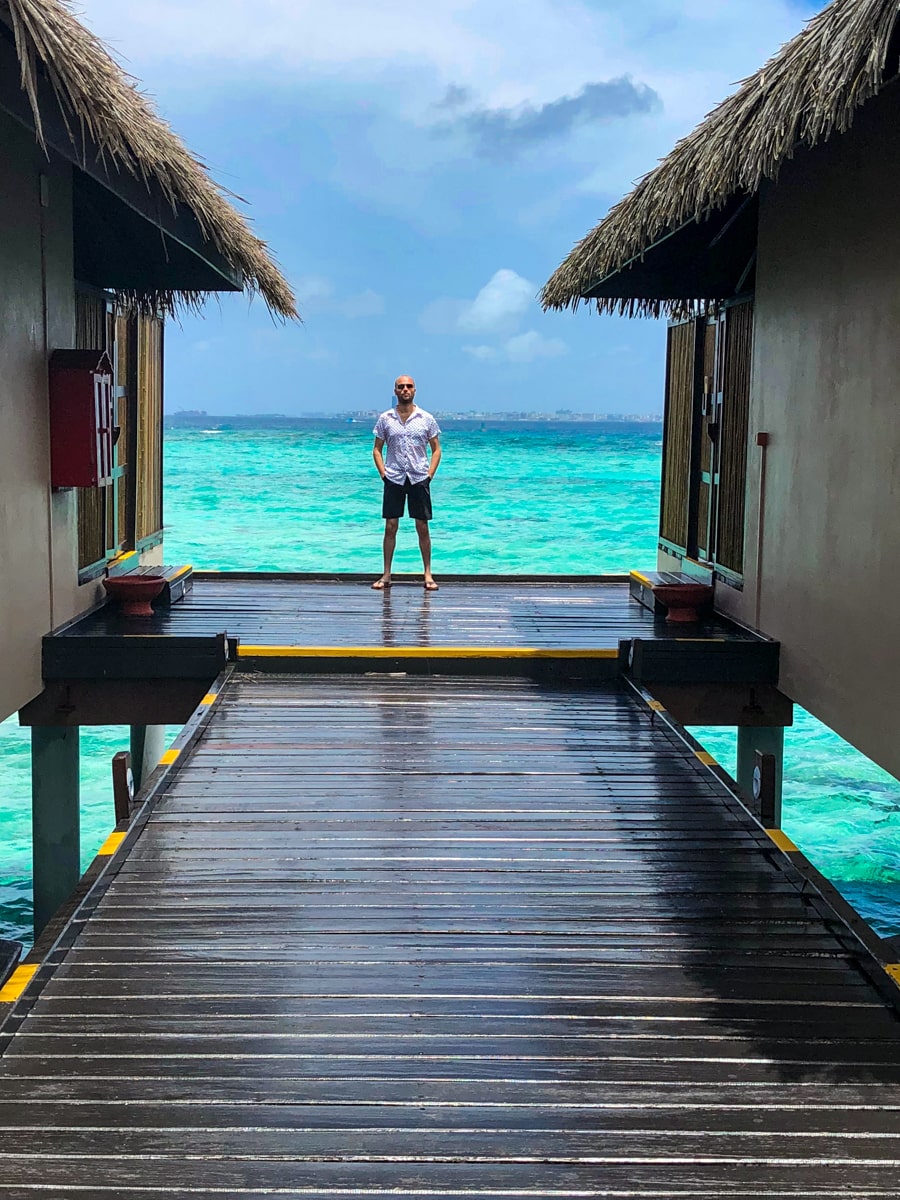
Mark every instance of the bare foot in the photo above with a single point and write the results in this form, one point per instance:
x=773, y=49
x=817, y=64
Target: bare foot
x=430, y=585
x=380, y=584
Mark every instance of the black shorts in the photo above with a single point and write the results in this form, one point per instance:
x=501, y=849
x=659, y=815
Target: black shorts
x=418, y=496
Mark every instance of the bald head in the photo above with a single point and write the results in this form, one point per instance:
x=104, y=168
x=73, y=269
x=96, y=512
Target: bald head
x=405, y=389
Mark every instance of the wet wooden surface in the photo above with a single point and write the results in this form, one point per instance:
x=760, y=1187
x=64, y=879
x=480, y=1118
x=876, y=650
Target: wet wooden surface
x=293, y=613
x=419, y=937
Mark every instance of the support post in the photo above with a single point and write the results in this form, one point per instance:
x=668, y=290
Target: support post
x=147, y=745
x=766, y=740
x=55, y=818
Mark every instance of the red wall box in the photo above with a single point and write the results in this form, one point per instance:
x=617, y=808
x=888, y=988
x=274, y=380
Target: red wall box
x=81, y=418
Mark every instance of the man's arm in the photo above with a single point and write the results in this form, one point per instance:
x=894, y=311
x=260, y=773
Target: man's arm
x=435, y=444
x=378, y=456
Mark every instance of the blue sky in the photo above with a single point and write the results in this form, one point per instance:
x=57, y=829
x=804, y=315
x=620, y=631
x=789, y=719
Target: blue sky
x=419, y=170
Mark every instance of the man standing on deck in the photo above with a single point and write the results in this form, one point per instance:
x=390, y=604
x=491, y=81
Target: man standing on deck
x=406, y=431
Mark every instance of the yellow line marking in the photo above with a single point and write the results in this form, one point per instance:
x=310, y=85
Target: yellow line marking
x=415, y=652
x=181, y=571
x=123, y=557
x=656, y=706
x=893, y=969
x=781, y=840
x=706, y=758
x=112, y=843
x=17, y=983
x=642, y=578
x=169, y=757
x=209, y=698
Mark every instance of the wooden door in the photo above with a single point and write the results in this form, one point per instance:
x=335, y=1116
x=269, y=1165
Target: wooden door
x=101, y=528
x=148, y=434
x=736, y=355
x=678, y=492
x=705, y=438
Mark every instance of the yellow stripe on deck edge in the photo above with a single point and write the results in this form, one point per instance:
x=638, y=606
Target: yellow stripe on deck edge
x=415, y=652
x=169, y=757
x=112, y=843
x=209, y=698
x=17, y=983
x=706, y=758
x=893, y=969
x=643, y=578
x=781, y=840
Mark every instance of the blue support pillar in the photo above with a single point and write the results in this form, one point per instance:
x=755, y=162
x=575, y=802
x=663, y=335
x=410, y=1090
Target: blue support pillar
x=55, y=818
x=766, y=740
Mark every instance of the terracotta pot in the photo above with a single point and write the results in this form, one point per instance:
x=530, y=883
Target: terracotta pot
x=133, y=593
x=683, y=600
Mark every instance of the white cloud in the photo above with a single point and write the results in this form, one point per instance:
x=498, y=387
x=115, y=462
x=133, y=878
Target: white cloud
x=523, y=348
x=314, y=290
x=551, y=46
x=503, y=300
x=526, y=347
x=497, y=309
x=396, y=60
x=317, y=294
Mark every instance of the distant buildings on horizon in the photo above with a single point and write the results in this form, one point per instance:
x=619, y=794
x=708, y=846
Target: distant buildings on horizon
x=199, y=416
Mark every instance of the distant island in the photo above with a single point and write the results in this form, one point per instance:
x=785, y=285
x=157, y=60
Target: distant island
x=200, y=419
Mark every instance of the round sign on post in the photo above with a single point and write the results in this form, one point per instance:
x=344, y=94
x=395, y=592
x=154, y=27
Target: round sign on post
x=757, y=783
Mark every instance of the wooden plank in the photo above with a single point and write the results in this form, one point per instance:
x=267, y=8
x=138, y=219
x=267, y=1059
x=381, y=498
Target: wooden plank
x=443, y=936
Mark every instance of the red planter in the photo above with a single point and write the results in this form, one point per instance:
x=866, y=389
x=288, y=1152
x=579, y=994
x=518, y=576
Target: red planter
x=683, y=600
x=134, y=593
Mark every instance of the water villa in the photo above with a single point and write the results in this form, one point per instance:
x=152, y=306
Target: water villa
x=433, y=895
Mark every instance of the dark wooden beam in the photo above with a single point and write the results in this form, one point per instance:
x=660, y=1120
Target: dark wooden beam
x=689, y=661
x=115, y=702
x=736, y=704
x=134, y=656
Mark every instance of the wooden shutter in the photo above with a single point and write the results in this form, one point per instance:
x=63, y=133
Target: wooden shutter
x=90, y=334
x=737, y=352
x=149, y=516
x=678, y=435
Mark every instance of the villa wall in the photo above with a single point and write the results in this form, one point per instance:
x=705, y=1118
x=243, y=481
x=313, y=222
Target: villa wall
x=826, y=387
x=37, y=528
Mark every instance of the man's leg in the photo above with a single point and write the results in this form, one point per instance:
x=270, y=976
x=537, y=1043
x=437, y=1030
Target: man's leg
x=425, y=547
x=390, y=541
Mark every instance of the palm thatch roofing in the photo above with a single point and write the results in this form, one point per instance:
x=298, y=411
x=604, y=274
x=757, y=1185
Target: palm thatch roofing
x=809, y=90
x=109, y=118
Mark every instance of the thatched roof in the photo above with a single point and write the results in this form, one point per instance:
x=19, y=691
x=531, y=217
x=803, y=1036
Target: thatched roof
x=108, y=116
x=810, y=89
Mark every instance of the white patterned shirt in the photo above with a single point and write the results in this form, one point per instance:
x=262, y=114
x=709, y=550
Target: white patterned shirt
x=406, y=444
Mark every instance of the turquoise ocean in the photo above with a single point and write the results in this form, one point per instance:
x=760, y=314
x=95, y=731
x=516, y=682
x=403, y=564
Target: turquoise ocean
x=510, y=497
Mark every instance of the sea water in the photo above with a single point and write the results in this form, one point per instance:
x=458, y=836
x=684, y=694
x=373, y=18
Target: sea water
x=554, y=497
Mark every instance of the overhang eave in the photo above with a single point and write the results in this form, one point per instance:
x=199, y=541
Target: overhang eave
x=702, y=260
x=202, y=266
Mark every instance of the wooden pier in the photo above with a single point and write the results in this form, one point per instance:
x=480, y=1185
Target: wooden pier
x=449, y=937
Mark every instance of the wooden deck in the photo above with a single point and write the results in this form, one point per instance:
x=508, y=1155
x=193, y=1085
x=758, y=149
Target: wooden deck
x=564, y=629
x=447, y=937
x=289, y=612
